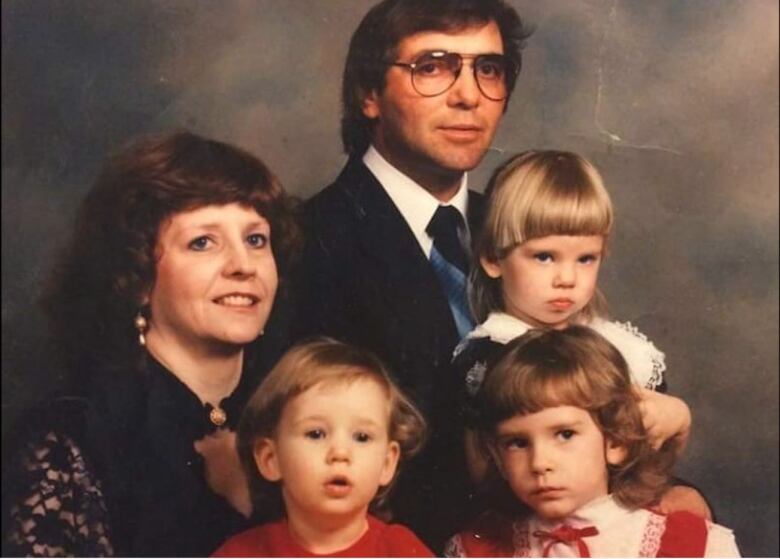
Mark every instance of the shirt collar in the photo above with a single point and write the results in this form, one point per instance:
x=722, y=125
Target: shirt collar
x=598, y=512
x=416, y=204
x=500, y=327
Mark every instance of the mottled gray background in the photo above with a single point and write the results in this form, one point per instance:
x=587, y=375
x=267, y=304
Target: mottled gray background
x=676, y=101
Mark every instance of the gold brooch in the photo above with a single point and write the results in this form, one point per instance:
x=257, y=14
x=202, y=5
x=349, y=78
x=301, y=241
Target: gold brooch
x=218, y=416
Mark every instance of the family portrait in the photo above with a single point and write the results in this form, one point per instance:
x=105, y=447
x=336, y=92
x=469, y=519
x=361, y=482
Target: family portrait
x=390, y=278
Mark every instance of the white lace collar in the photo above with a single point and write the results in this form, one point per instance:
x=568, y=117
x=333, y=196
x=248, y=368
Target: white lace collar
x=645, y=362
x=500, y=327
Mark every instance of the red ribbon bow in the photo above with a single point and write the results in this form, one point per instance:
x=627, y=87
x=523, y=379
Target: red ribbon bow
x=568, y=535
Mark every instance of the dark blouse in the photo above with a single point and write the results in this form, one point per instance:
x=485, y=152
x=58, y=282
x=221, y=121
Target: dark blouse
x=114, y=471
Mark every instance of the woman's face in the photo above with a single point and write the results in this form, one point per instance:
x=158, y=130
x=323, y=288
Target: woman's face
x=216, y=278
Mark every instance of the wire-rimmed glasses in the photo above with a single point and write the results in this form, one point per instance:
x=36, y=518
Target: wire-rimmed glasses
x=435, y=72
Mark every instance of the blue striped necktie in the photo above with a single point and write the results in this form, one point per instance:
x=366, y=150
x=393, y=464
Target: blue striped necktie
x=450, y=263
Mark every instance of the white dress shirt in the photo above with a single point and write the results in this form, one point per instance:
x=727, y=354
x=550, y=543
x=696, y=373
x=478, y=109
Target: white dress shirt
x=416, y=204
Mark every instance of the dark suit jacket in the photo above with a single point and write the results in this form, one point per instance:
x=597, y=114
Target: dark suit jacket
x=365, y=280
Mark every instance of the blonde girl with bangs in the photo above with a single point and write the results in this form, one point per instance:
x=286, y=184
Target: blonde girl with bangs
x=534, y=195
x=546, y=231
x=572, y=469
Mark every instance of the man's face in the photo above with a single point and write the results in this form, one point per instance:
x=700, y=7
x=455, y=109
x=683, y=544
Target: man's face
x=435, y=139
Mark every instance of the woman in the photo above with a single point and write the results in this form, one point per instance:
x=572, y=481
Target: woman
x=169, y=280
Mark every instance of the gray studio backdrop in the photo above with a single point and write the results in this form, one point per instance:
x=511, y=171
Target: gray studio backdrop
x=676, y=101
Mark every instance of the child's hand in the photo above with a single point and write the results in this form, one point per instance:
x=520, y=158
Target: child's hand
x=664, y=417
x=681, y=497
x=224, y=473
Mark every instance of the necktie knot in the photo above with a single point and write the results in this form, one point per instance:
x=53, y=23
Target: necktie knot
x=445, y=219
x=568, y=535
x=443, y=228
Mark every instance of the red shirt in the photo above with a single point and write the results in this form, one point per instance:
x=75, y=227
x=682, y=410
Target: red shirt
x=274, y=540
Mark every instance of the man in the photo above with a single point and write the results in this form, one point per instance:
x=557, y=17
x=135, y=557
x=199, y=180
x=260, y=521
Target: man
x=388, y=243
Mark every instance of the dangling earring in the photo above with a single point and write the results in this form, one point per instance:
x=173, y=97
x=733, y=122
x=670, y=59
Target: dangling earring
x=141, y=325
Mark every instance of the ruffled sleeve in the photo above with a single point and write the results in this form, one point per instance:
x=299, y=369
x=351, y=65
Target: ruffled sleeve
x=645, y=361
x=720, y=542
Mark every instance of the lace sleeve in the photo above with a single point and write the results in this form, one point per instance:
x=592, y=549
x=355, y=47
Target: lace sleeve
x=59, y=508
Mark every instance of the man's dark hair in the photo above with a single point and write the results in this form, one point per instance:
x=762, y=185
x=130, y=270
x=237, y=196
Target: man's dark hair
x=376, y=40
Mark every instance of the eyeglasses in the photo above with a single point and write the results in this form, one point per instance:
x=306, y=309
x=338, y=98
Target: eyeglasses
x=435, y=72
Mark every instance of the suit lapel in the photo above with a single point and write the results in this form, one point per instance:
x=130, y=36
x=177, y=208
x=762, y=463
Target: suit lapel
x=387, y=242
x=476, y=214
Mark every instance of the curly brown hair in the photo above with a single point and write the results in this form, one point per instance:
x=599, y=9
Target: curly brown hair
x=576, y=367
x=98, y=285
x=305, y=365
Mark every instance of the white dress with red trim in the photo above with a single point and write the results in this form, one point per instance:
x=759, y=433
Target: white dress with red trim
x=602, y=528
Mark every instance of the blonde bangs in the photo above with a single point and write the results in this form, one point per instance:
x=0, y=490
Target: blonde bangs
x=547, y=193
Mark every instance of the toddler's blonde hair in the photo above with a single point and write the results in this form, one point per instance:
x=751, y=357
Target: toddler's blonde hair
x=320, y=361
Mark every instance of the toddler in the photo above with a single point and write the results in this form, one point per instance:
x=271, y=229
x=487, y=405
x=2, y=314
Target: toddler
x=559, y=423
x=325, y=431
